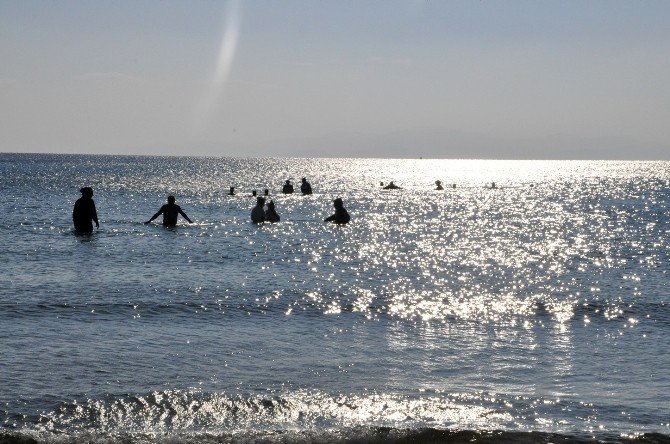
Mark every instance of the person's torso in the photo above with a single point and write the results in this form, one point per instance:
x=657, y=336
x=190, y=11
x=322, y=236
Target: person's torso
x=170, y=213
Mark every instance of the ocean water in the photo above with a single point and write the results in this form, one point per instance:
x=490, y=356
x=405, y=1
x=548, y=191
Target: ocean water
x=537, y=311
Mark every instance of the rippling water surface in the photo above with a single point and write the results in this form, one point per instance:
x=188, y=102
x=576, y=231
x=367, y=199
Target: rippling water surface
x=539, y=306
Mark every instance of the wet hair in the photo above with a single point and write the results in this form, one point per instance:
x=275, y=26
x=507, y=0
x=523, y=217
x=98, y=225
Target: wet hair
x=338, y=202
x=271, y=204
x=171, y=199
x=86, y=191
x=260, y=201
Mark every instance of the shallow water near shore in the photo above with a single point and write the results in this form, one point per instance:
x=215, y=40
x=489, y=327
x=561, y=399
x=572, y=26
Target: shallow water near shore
x=537, y=310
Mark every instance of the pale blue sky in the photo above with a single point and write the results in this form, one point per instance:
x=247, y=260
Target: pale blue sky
x=492, y=79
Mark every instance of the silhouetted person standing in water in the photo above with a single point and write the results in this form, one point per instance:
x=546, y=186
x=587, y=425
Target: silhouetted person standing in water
x=257, y=212
x=271, y=214
x=306, y=187
x=288, y=188
x=84, y=212
x=232, y=191
x=438, y=185
x=170, y=212
x=392, y=186
x=341, y=215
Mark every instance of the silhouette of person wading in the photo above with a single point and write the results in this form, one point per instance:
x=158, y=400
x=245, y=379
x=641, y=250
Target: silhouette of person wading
x=257, y=212
x=306, y=187
x=271, y=214
x=341, y=215
x=287, y=188
x=84, y=212
x=170, y=212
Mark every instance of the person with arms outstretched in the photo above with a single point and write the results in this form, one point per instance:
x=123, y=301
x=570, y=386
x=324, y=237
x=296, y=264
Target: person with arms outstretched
x=170, y=212
x=84, y=212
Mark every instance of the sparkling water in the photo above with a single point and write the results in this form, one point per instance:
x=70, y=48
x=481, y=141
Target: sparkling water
x=540, y=305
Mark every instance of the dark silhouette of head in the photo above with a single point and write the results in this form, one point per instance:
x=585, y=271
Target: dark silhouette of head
x=260, y=201
x=86, y=192
x=271, y=205
x=267, y=192
x=253, y=193
x=338, y=203
x=288, y=182
x=170, y=199
x=438, y=183
x=304, y=180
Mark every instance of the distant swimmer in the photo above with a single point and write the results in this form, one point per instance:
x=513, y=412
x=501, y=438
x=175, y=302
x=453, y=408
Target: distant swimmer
x=438, y=185
x=287, y=188
x=341, y=215
x=381, y=184
x=253, y=193
x=257, y=213
x=453, y=185
x=392, y=186
x=271, y=213
x=232, y=191
x=266, y=192
x=306, y=187
x=493, y=185
x=84, y=212
x=170, y=212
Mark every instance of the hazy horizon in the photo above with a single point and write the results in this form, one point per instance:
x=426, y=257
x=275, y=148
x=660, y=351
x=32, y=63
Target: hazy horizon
x=400, y=79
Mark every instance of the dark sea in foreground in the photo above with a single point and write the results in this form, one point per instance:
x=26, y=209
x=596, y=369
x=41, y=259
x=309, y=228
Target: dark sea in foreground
x=535, y=312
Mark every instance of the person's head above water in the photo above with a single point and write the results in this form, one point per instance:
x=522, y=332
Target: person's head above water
x=438, y=183
x=170, y=199
x=271, y=205
x=288, y=181
x=260, y=201
x=86, y=192
x=338, y=203
x=304, y=179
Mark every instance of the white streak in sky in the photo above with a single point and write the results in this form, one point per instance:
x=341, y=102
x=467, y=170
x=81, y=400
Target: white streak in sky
x=208, y=104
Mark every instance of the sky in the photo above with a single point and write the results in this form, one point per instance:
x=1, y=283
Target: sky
x=435, y=79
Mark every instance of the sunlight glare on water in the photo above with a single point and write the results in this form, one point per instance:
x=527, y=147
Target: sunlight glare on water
x=540, y=304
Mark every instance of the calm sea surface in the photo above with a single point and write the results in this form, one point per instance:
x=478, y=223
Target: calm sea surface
x=540, y=306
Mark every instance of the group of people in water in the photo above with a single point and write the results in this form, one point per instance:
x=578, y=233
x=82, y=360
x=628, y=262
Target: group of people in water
x=84, y=213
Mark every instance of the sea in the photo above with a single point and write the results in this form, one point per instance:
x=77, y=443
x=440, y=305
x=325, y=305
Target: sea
x=536, y=310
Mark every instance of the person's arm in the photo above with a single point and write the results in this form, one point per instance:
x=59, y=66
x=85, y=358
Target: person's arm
x=330, y=218
x=94, y=215
x=155, y=216
x=185, y=216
